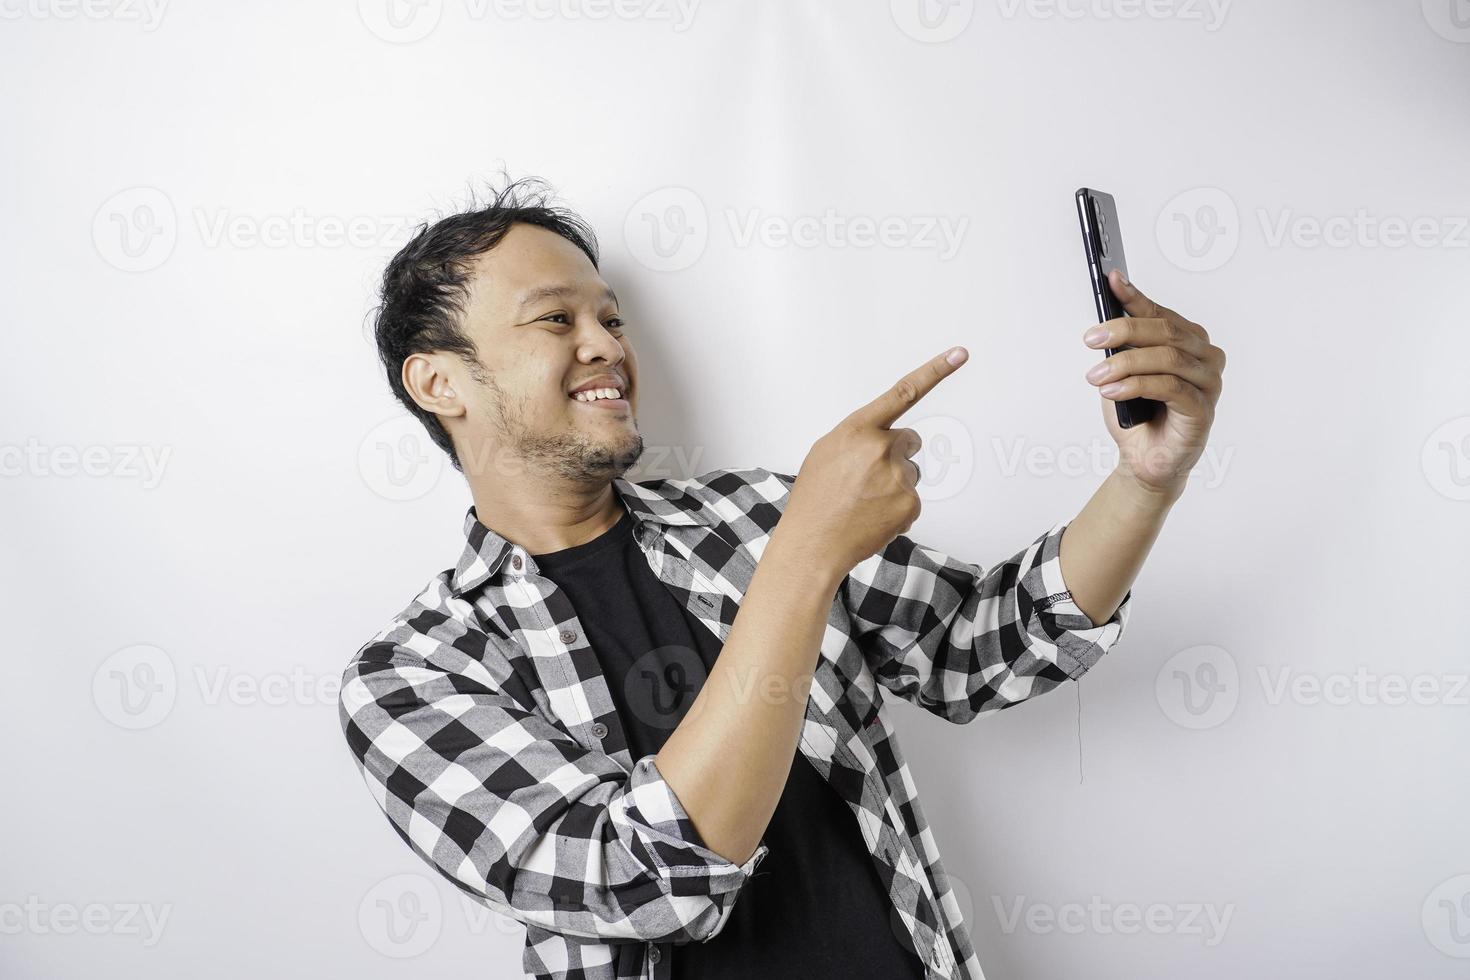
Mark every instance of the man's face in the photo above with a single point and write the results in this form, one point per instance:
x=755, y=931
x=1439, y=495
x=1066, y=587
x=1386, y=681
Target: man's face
x=545, y=323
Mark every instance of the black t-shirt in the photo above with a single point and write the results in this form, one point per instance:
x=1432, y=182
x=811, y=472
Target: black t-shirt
x=816, y=907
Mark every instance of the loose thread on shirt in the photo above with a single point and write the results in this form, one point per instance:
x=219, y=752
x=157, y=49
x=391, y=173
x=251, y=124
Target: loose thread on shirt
x=1080, y=777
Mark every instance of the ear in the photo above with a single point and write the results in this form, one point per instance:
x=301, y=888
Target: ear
x=427, y=378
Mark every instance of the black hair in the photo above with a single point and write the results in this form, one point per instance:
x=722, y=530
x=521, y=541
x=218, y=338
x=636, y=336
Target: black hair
x=426, y=284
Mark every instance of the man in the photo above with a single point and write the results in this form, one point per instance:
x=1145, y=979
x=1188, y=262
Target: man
x=574, y=726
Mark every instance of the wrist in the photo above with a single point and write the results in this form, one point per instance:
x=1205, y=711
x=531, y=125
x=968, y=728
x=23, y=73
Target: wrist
x=1145, y=496
x=790, y=549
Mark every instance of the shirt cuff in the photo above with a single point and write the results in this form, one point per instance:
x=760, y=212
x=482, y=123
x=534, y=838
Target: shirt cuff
x=675, y=843
x=1080, y=641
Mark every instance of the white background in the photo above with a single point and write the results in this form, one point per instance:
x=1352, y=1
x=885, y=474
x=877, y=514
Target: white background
x=177, y=289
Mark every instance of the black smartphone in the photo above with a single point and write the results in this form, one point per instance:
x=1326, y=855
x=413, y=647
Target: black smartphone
x=1102, y=237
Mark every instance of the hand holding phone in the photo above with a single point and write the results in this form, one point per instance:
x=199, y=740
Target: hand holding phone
x=1103, y=241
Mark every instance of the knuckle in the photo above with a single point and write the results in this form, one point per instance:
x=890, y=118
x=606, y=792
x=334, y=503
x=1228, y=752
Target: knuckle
x=875, y=451
x=906, y=391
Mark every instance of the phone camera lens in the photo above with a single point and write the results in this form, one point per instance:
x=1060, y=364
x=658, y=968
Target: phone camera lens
x=1102, y=227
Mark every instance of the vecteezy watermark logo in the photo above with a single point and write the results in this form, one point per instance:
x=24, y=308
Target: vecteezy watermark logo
x=667, y=463
x=401, y=916
x=1199, y=229
x=1098, y=457
x=932, y=21
x=299, y=229
x=947, y=458
x=1450, y=19
x=136, y=230
x=400, y=21
x=406, y=21
x=1446, y=459
x=1102, y=918
x=1198, y=687
x=663, y=683
x=148, y=13
x=667, y=230
x=1363, y=687
x=123, y=461
x=1363, y=229
x=1446, y=917
x=136, y=687
x=39, y=918
x=679, y=13
x=940, y=233
x=398, y=460
x=223, y=684
x=1210, y=12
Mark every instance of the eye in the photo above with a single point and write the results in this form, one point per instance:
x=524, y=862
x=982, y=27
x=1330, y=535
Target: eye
x=558, y=317
x=615, y=324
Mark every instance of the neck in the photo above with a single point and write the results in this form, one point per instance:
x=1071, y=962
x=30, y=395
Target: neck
x=542, y=513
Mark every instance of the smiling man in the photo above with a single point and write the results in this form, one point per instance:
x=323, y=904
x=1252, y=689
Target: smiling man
x=646, y=719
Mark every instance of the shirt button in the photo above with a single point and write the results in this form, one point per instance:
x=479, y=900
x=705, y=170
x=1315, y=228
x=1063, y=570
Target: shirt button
x=568, y=636
x=515, y=561
x=654, y=954
x=599, y=730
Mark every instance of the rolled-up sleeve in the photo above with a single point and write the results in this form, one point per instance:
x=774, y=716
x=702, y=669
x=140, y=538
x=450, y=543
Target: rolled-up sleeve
x=959, y=641
x=524, y=819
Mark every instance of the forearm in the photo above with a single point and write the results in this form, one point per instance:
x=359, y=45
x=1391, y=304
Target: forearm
x=1103, y=548
x=729, y=758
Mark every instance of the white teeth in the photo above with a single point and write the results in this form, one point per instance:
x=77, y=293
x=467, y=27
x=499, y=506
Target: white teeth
x=592, y=394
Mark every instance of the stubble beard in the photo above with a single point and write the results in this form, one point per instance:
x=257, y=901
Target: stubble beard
x=567, y=455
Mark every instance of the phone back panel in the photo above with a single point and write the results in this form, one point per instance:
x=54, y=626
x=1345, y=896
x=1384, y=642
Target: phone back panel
x=1102, y=237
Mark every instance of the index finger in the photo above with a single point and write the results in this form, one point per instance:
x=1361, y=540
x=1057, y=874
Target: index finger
x=884, y=410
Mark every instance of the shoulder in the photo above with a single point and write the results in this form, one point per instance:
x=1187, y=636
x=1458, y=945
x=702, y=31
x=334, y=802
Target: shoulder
x=757, y=477
x=753, y=485
x=434, y=629
x=729, y=495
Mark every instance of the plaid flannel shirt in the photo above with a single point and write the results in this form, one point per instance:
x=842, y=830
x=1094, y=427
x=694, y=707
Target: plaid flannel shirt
x=483, y=727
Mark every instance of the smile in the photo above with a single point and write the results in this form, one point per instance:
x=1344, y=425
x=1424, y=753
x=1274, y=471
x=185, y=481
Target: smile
x=604, y=404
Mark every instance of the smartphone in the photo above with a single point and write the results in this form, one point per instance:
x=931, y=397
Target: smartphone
x=1102, y=238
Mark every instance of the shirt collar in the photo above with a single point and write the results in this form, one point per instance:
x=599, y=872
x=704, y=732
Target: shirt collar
x=486, y=550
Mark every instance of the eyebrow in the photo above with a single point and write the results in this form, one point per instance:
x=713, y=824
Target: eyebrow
x=557, y=291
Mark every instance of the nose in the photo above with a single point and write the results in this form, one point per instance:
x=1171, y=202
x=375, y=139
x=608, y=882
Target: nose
x=596, y=343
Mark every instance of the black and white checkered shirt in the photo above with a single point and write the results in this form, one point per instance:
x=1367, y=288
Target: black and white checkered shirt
x=485, y=730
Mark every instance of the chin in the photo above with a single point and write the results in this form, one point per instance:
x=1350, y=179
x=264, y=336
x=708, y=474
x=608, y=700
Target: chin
x=620, y=455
